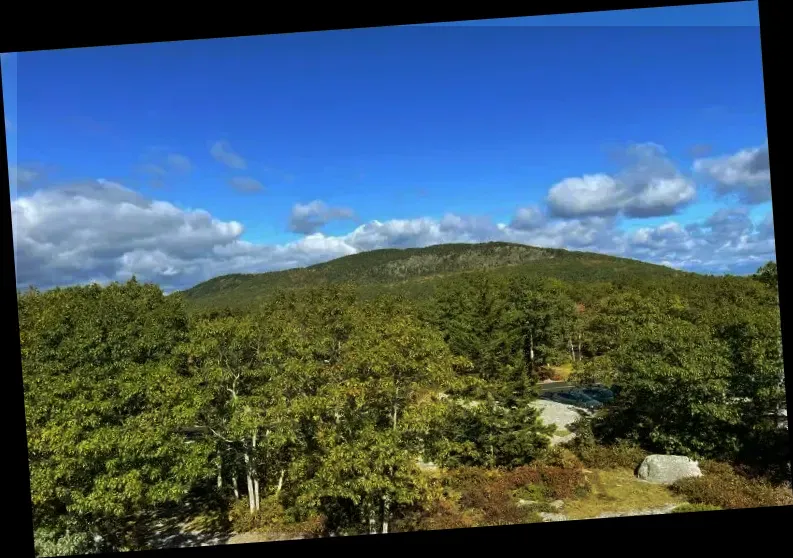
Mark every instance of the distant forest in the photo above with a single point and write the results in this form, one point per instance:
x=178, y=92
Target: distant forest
x=307, y=400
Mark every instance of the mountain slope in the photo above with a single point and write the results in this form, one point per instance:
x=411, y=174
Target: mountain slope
x=415, y=270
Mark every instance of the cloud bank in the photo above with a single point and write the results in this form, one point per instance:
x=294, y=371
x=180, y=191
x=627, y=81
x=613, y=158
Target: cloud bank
x=102, y=231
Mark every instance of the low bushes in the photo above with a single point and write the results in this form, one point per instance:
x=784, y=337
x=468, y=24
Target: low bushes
x=271, y=514
x=722, y=486
x=273, y=519
x=559, y=456
x=619, y=455
x=475, y=496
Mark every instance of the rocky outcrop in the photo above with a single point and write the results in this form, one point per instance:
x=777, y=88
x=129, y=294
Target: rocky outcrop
x=558, y=414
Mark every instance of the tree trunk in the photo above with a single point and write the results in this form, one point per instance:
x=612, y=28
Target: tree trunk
x=280, y=482
x=220, y=474
x=236, y=489
x=372, y=520
x=255, y=474
x=386, y=513
x=251, y=495
x=579, y=346
x=531, y=350
x=394, y=418
x=572, y=349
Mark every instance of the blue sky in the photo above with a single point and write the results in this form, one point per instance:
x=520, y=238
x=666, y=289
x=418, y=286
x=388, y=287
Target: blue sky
x=248, y=154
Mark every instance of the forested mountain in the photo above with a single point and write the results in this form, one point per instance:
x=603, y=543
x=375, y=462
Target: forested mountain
x=305, y=401
x=417, y=271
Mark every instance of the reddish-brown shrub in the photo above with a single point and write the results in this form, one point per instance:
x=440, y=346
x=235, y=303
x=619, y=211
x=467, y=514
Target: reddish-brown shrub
x=722, y=486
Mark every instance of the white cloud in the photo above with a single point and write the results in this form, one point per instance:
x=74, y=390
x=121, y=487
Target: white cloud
x=528, y=218
x=223, y=153
x=728, y=240
x=101, y=231
x=746, y=174
x=246, y=184
x=595, y=194
x=648, y=186
x=310, y=217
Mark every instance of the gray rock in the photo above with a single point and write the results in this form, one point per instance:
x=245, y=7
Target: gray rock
x=667, y=469
x=650, y=511
x=558, y=414
x=557, y=504
x=548, y=517
x=523, y=503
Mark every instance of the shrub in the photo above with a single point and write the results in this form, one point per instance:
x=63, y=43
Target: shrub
x=621, y=454
x=312, y=527
x=446, y=514
x=558, y=456
x=555, y=482
x=722, y=486
x=685, y=508
x=270, y=515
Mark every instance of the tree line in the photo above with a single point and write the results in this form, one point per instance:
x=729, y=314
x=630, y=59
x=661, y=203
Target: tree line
x=320, y=403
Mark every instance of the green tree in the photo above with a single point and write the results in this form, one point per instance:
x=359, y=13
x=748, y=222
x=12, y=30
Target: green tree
x=102, y=407
x=543, y=315
x=767, y=275
x=372, y=421
x=674, y=391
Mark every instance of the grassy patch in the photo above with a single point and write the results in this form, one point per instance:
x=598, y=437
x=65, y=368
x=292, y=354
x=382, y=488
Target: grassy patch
x=562, y=432
x=617, y=490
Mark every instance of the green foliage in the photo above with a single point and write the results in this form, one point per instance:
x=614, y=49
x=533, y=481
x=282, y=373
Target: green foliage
x=621, y=454
x=48, y=542
x=416, y=271
x=674, y=397
x=270, y=515
x=103, y=404
x=725, y=488
x=767, y=275
x=560, y=457
x=316, y=391
x=488, y=434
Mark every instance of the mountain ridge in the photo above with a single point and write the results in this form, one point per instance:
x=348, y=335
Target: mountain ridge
x=410, y=268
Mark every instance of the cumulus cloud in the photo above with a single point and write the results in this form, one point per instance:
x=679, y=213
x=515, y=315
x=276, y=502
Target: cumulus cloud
x=746, y=174
x=648, y=186
x=246, y=184
x=528, y=218
x=727, y=241
x=223, y=153
x=102, y=231
x=309, y=218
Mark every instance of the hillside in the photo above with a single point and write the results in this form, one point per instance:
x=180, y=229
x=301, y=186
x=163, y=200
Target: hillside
x=414, y=271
